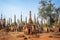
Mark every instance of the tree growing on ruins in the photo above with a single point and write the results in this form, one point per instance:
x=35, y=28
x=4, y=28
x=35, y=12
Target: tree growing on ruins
x=47, y=9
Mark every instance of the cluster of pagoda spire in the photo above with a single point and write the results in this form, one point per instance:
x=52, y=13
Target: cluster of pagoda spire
x=29, y=20
x=19, y=22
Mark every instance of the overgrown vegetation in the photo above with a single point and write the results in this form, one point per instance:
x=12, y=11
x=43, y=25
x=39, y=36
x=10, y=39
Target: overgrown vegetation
x=48, y=11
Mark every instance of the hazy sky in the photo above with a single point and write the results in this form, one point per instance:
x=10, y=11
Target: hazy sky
x=9, y=8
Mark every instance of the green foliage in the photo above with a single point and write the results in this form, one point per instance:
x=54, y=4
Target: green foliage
x=46, y=10
x=23, y=22
x=34, y=23
x=45, y=25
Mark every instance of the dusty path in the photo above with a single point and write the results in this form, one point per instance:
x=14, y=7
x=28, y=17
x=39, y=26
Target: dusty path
x=22, y=36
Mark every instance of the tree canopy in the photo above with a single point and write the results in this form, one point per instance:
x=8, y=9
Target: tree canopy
x=47, y=9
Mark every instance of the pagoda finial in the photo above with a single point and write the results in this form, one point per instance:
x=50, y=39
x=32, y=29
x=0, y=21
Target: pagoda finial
x=9, y=21
x=21, y=18
x=37, y=21
x=34, y=18
x=30, y=19
x=1, y=16
x=30, y=14
x=15, y=18
x=26, y=20
x=4, y=22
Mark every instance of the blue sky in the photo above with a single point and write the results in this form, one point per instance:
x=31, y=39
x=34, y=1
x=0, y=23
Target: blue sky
x=9, y=8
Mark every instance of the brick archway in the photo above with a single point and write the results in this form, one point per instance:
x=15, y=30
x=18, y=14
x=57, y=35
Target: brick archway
x=29, y=31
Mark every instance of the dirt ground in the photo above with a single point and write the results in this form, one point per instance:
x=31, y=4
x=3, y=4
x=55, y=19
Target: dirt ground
x=22, y=36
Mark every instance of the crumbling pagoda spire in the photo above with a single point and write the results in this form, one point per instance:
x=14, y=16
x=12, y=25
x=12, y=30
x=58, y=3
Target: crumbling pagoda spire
x=4, y=23
x=25, y=20
x=21, y=18
x=14, y=18
x=34, y=19
x=1, y=16
x=37, y=21
x=30, y=19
